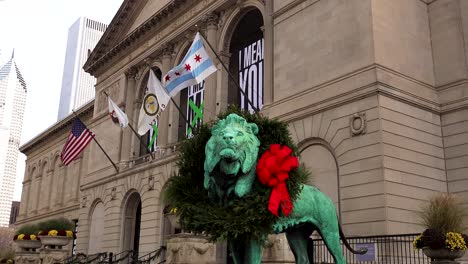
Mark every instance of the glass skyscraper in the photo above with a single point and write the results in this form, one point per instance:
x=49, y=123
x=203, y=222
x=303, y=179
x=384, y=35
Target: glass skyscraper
x=12, y=102
x=77, y=85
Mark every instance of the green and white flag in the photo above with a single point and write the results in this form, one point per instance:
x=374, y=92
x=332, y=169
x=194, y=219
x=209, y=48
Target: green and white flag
x=155, y=101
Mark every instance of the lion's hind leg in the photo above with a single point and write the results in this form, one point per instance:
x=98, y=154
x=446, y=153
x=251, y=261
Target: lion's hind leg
x=332, y=241
x=298, y=240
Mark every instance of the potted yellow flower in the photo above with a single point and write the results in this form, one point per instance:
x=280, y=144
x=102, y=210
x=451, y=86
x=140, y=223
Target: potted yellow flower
x=443, y=240
x=171, y=214
x=26, y=238
x=56, y=233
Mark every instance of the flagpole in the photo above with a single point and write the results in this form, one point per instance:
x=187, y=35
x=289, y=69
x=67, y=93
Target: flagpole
x=95, y=140
x=137, y=135
x=183, y=115
x=229, y=73
x=141, y=142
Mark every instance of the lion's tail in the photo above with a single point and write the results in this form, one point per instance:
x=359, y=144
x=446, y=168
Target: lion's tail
x=360, y=251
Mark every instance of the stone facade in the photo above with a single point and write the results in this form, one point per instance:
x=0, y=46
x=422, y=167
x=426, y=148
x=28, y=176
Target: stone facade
x=378, y=88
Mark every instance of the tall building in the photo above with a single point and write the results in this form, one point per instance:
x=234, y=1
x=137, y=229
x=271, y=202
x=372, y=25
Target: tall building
x=375, y=94
x=12, y=103
x=77, y=85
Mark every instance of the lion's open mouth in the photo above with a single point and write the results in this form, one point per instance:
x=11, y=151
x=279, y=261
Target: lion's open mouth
x=229, y=161
x=228, y=153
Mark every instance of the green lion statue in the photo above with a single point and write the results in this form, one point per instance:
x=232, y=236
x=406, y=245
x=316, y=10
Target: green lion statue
x=230, y=171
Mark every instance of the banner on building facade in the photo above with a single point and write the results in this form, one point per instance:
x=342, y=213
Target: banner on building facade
x=251, y=74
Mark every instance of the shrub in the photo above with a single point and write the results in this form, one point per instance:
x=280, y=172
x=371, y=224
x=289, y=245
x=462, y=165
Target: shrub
x=443, y=218
x=27, y=229
x=56, y=224
x=443, y=213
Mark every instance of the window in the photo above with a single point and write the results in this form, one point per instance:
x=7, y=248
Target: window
x=145, y=146
x=191, y=101
x=246, y=62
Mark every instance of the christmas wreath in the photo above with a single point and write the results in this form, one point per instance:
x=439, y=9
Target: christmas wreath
x=244, y=218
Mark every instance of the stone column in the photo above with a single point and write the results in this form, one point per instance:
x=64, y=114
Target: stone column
x=59, y=182
x=24, y=199
x=209, y=110
x=222, y=83
x=49, y=183
x=268, y=88
x=126, y=146
x=35, y=202
x=135, y=142
x=136, y=106
x=164, y=119
x=82, y=238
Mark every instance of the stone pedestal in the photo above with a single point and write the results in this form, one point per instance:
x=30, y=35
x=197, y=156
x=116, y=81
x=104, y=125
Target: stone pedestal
x=27, y=257
x=277, y=250
x=188, y=248
x=53, y=256
x=443, y=255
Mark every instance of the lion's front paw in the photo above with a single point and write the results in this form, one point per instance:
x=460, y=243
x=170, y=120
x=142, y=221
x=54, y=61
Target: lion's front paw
x=241, y=190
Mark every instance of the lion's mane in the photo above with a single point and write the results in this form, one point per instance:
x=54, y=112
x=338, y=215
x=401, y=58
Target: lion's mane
x=233, y=135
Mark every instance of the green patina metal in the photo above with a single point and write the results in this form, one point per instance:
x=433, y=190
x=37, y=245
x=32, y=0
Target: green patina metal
x=230, y=161
x=217, y=192
x=233, y=147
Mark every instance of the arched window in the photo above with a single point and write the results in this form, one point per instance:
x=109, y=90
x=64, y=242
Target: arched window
x=322, y=164
x=246, y=62
x=96, y=229
x=147, y=143
x=191, y=104
x=131, y=223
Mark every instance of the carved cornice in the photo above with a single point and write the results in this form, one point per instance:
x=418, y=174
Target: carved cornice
x=212, y=19
x=52, y=213
x=93, y=64
x=167, y=50
x=131, y=73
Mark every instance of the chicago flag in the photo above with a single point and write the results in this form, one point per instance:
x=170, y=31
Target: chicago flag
x=194, y=68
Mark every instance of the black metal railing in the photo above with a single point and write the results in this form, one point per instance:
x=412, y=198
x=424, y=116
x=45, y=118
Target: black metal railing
x=152, y=256
x=128, y=256
x=81, y=258
x=125, y=257
x=388, y=249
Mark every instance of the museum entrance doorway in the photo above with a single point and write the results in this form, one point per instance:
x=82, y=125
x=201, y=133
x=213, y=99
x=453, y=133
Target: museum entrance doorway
x=132, y=221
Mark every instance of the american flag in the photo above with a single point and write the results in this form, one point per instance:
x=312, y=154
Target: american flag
x=77, y=140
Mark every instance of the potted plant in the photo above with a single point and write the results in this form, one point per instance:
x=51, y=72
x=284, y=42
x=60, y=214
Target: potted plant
x=171, y=214
x=26, y=238
x=443, y=240
x=56, y=233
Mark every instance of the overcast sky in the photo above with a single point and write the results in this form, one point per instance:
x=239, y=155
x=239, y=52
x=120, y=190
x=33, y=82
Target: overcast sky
x=37, y=30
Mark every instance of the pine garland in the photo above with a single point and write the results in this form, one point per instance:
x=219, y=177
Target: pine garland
x=246, y=218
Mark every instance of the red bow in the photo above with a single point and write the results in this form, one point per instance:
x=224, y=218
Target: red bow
x=272, y=170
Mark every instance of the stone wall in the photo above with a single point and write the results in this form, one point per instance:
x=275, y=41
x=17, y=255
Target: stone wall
x=380, y=86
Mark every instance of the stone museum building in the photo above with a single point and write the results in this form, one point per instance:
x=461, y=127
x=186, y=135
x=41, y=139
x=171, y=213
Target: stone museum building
x=375, y=93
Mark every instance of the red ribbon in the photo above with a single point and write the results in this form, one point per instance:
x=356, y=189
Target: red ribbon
x=272, y=170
